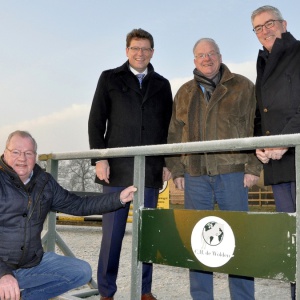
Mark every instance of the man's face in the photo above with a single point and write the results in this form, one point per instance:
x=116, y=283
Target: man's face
x=21, y=156
x=207, y=59
x=139, y=59
x=268, y=36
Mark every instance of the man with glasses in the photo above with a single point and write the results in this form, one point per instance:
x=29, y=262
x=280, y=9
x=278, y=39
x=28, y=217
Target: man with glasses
x=132, y=106
x=215, y=105
x=278, y=99
x=27, y=195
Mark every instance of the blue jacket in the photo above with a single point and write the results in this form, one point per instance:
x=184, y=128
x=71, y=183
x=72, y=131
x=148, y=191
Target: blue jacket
x=24, y=208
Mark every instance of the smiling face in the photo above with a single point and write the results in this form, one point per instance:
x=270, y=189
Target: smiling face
x=22, y=164
x=268, y=36
x=207, y=59
x=139, y=60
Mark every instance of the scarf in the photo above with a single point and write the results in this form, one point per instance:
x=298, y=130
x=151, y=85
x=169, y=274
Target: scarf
x=208, y=84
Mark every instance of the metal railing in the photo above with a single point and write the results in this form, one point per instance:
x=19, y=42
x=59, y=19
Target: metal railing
x=50, y=236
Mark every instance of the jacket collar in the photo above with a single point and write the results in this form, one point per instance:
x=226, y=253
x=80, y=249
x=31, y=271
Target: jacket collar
x=286, y=41
x=11, y=172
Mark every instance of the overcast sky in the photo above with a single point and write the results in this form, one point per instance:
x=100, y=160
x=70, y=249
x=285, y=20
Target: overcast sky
x=53, y=52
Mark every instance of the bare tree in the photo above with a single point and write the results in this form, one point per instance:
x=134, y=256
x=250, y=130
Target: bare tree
x=76, y=175
x=80, y=175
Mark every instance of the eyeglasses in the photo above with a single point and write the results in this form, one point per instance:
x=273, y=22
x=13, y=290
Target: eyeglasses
x=16, y=153
x=269, y=24
x=208, y=55
x=138, y=49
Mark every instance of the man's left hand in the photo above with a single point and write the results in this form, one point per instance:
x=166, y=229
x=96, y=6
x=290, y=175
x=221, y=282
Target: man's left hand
x=275, y=153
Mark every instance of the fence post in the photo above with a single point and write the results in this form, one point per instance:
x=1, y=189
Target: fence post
x=297, y=162
x=50, y=237
x=138, y=203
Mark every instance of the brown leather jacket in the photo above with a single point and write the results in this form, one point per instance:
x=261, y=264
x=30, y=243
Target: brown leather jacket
x=228, y=114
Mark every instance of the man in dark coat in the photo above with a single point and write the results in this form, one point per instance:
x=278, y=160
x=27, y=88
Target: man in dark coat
x=278, y=99
x=128, y=112
x=27, y=194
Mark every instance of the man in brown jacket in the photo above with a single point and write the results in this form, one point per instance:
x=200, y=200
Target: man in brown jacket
x=215, y=105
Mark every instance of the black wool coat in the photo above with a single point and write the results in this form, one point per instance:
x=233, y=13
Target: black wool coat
x=278, y=99
x=123, y=114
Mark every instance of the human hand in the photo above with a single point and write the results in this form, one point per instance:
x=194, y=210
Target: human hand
x=127, y=194
x=179, y=183
x=166, y=174
x=261, y=155
x=9, y=288
x=103, y=170
x=275, y=153
x=250, y=180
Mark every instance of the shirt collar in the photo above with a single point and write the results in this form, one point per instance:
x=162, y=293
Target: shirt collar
x=135, y=72
x=29, y=178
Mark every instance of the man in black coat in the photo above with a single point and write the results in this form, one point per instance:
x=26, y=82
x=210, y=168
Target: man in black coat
x=127, y=111
x=278, y=99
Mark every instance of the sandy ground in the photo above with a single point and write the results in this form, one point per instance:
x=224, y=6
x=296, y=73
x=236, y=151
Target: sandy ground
x=168, y=282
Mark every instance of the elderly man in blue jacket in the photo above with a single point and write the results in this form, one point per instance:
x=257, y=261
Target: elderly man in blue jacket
x=27, y=194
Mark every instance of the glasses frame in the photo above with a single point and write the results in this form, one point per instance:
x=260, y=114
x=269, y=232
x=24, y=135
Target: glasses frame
x=138, y=49
x=209, y=55
x=259, y=28
x=28, y=153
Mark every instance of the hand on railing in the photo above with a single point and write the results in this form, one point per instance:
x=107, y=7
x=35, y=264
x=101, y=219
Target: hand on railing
x=127, y=194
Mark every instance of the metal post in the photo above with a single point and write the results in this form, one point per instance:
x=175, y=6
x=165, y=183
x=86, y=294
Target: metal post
x=297, y=162
x=50, y=237
x=138, y=203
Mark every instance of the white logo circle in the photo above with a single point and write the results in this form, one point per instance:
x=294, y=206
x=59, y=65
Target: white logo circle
x=213, y=241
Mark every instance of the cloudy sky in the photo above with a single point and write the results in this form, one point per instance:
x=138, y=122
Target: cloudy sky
x=52, y=53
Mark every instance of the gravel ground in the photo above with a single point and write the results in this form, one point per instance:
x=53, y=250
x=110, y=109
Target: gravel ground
x=168, y=282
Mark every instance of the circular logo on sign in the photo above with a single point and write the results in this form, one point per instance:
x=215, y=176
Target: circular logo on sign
x=213, y=241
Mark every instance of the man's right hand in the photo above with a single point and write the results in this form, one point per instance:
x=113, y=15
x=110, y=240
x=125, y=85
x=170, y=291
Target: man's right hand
x=103, y=170
x=261, y=155
x=179, y=183
x=9, y=288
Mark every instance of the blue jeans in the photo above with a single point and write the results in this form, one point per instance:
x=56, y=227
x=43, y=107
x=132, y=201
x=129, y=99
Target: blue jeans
x=113, y=230
x=54, y=276
x=201, y=193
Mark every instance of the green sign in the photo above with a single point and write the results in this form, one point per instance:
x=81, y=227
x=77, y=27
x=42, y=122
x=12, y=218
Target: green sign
x=240, y=243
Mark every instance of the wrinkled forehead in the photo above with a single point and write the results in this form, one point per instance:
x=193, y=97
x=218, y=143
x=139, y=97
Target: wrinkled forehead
x=205, y=47
x=19, y=142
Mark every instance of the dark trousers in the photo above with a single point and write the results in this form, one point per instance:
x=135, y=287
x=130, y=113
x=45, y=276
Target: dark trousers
x=285, y=201
x=113, y=230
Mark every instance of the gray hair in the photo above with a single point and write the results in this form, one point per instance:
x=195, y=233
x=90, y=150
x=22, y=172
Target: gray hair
x=267, y=8
x=23, y=134
x=209, y=40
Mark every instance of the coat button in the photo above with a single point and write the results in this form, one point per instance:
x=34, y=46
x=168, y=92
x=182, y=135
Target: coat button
x=268, y=132
x=265, y=110
x=24, y=215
